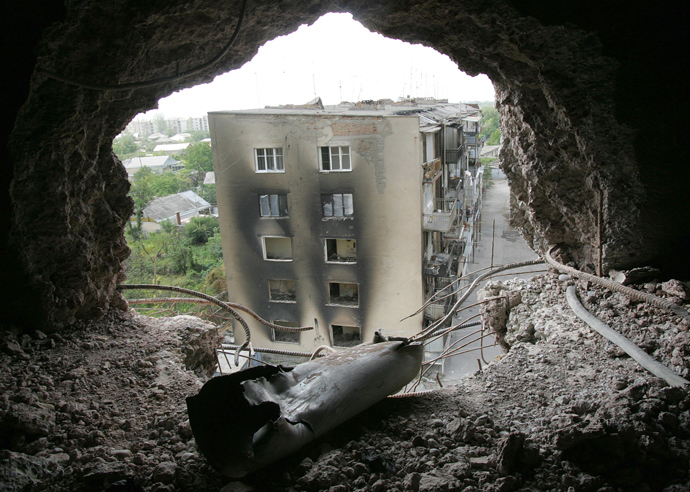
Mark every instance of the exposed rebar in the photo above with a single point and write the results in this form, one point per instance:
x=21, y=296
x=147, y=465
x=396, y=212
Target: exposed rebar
x=609, y=284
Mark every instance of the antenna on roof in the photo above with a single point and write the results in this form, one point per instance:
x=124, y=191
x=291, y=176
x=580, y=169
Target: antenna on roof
x=313, y=80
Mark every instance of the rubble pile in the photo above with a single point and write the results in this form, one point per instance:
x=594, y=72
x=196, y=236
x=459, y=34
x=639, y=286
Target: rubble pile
x=102, y=408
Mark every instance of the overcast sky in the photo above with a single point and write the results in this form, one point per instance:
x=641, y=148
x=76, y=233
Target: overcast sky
x=314, y=61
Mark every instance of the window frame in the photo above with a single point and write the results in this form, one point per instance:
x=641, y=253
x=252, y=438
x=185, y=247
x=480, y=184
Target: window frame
x=336, y=239
x=274, y=155
x=283, y=301
x=333, y=335
x=297, y=333
x=282, y=207
x=265, y=249
x=343, y=207
x=332, y=303
x=330, y=157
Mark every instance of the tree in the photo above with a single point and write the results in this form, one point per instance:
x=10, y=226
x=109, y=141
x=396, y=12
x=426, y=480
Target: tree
x=490, y=128
x=168, y=183
x=208, y=193
x=199, y=157
x=198, y=135
x=200, y=229
x=142, y=193
x=160, y=123
x=125, y=147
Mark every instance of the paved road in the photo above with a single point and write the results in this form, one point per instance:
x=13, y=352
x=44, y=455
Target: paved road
x=508, y=247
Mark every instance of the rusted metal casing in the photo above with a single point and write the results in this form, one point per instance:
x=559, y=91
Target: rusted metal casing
x=249, y=419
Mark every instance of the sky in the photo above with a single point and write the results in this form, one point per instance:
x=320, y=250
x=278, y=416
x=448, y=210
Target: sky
x=313, y=61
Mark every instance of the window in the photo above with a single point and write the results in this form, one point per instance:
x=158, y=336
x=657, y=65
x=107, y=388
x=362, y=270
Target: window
x=273, y=205
x=343, y=294
x=335, y=159
x=277, y=248
x=269, y=160
x=338, y=205
x=341, y=250
x=285, y=336
x=281, y=290
x=346, y=336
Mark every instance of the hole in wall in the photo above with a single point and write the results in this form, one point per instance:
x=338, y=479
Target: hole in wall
x=309, y=63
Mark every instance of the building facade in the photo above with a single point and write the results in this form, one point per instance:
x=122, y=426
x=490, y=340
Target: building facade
x=322, y=215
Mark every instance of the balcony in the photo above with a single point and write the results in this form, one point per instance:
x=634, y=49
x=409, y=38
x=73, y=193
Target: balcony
x=432, y=170
x=435, y=311
x=443, y=216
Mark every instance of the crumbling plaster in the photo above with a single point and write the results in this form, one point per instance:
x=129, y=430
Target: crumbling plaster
x=569, y=84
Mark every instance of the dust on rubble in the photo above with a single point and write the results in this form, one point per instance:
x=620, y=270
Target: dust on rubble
x=103, y=404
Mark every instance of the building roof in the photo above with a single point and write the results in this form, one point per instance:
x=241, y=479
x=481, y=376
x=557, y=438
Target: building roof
x=185, y=203
x=488, y=149
x=359, y=109
x=171, y=147
x=156, y=161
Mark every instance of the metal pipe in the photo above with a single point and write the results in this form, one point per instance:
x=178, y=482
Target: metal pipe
x=630, y=348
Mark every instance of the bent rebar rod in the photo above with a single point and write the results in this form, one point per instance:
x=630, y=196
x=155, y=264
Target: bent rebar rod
x=609, y=284
x=422, y=335
x=642, y=358
x=229, y=306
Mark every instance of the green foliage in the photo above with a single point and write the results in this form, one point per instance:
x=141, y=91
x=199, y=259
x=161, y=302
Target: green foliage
x=168, y=183
x=198, y=135
x=146, y=185
x=490, y=128
x=125, y=147
x=494, y=138
x=170, y=257
x=208, y=193
x=200, y=229
x=199, y=157
x=141, y=190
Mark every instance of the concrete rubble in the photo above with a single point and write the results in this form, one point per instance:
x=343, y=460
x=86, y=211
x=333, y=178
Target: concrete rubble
x=101, y=407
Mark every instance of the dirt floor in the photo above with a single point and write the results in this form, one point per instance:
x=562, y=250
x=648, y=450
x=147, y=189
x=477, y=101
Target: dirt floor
x=102, y=407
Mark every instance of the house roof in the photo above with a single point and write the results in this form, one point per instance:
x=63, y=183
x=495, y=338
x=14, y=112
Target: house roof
x=168, y=206
x=136, y=163
x=488, y=149
x=170, y=147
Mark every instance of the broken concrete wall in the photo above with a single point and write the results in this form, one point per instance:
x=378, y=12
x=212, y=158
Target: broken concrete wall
x=574, y=88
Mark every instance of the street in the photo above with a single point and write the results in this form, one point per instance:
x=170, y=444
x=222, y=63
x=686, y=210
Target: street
x=508, y=247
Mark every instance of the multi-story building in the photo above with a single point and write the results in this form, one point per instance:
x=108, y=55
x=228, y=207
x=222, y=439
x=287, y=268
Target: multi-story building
x=331, y=217
x=200, y=123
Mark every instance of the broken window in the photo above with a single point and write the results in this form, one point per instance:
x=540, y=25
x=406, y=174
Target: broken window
x=281, y=290
x=335, y=159
x=341, y=250
x=346, y=336
x=277, y=248
x=343, y=294
x=273, y=205
x=285, y=336
x=338, y=205
x=269, y=160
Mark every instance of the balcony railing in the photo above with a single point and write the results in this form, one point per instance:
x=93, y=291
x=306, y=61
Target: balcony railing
x=443, y=216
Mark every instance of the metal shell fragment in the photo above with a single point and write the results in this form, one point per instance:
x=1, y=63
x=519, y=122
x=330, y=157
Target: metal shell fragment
x=249, y=419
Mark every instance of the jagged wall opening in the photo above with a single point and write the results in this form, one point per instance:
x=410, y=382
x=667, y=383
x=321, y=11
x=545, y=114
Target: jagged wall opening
x=571, y=84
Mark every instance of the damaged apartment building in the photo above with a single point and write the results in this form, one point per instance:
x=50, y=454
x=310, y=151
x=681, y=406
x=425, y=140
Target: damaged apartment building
x=345, y=218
